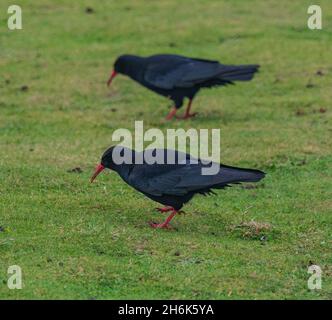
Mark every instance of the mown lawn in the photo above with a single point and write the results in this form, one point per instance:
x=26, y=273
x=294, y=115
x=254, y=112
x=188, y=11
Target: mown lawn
x=77, y=240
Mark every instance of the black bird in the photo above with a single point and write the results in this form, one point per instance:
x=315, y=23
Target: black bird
x=171, y=184
x=177, y=77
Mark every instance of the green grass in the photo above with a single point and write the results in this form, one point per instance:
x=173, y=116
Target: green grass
x=76, y=240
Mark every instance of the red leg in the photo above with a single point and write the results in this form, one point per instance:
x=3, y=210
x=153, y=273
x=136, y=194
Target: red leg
x=165, y=224
x=171, y=113
x=165, y=209
x=187, y=113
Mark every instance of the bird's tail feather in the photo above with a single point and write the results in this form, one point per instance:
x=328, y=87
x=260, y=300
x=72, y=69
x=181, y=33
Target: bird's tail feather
x=238, y=73
x=233, y=175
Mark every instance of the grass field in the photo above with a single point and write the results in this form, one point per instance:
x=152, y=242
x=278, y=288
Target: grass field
x=82, y=241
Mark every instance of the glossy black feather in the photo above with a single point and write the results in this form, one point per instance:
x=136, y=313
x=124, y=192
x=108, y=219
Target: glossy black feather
x=178, y=77
x=175, y=184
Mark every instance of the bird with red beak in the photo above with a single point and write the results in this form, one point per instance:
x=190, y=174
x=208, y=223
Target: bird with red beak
x=98, y=170
x=173, y=184
x=112, y=76
x=177, y=77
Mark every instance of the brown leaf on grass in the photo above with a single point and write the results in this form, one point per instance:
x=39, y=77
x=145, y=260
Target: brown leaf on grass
x=75, y=170
x=320, y=110
x=299, y=112
x=310, y=85
x=253, y=228
x=89, y=10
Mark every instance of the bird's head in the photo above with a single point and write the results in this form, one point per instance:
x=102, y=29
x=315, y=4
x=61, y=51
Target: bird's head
x=114, y=158
x=123, y=64
x=106, y=162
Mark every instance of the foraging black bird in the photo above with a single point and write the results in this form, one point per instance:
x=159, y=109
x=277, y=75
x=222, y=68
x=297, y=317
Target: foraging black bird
x=171, y=184
x=178, y=77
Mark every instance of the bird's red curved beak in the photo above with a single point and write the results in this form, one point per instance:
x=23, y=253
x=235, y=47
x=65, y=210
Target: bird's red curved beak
x=99, y=169
x=113, y=74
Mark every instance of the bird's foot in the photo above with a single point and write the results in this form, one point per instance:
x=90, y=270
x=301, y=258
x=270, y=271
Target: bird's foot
x=165, y=209
x=171, y=114
x=160, y=225
x=169, y=118
x=165, y=224
x=188, y=115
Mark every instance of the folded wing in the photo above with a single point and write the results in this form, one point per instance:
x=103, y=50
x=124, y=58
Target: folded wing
x=171, y=71
x=180, y=72
x=180, y=179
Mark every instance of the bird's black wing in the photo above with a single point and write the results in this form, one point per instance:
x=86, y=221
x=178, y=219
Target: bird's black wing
x=158, y=179
x=166, y=179
x=187, y=176
x=171, y=71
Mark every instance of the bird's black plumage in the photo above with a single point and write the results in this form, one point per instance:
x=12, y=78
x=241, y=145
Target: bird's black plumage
x=174, y=184
x=178, y=77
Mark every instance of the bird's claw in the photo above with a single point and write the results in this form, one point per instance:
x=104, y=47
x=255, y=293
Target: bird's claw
x=168, y=118
x=171, y=114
